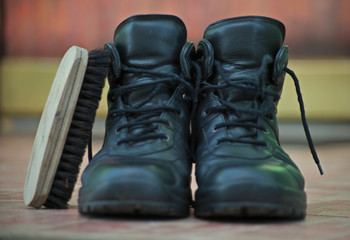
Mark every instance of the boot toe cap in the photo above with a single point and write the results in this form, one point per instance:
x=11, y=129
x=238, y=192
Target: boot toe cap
x=265, y=183
x=114, y=180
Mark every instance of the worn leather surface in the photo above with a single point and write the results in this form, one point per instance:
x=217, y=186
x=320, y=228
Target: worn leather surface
x=152, y=43
x=245, y=49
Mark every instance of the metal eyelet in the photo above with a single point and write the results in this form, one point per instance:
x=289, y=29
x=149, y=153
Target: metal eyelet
x=267, y=145
x=205, y=113
x=167, y=123
x=166, y=138
x=179, y=113
x=186, y=97
x=217, y=144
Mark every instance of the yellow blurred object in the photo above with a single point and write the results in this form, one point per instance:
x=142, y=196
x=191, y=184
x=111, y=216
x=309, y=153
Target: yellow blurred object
x=325, y=85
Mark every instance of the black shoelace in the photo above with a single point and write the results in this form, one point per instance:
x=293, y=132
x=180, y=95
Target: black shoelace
x=303, y=118
x=143, y=121
x=252, y=115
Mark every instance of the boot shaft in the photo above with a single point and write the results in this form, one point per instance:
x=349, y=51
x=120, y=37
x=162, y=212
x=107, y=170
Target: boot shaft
x=247, y=49
x=147, y=85
x=147, y=43
x=245, y=40
x=243, y=63
x=150, y=41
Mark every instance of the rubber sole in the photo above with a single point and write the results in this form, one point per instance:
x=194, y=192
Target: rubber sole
x=249, y=210
x=134, y=209
x=251, y=200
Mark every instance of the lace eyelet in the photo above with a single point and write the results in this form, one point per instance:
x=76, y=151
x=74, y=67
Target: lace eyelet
x=266, y=145
x=205, y=113
x=166, y=138
x=179, y=113
x=167, y=124
x=185, y=97
x=117, y=131
x=217, y=143
x=266, y=131
x=113, y=114
x=215, y=129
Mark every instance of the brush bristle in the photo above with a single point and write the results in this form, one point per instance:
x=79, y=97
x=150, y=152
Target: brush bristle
x=80, y=130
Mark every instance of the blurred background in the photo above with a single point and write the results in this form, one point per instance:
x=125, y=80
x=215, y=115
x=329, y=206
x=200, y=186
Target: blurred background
x=35, y=34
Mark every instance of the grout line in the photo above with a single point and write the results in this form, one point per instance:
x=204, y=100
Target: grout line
x=325, y=215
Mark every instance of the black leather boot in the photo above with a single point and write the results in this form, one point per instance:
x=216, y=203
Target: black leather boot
x=241, y=169
x=143, y=167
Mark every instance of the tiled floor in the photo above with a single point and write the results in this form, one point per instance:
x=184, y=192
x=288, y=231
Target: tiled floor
x=328, y=215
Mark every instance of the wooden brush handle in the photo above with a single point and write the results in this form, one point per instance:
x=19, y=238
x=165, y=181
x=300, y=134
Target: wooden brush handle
x=54, y=125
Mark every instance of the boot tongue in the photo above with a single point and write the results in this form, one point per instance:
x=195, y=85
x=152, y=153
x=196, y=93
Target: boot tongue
x=240, y=45
x=150, y=42
x=245, y=40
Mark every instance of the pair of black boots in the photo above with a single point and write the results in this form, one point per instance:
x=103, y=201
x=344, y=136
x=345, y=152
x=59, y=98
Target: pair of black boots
x=172, y=105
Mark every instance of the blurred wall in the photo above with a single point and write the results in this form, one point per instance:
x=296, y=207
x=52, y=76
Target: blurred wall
x=36, y=33
x=48, y=27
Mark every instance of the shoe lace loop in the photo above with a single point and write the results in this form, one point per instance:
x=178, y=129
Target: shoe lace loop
x=143, y=120
x=252, y=114
x=248, y=115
